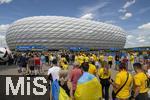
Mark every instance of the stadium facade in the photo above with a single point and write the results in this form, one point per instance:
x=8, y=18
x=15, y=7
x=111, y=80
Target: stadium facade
x=58, y=32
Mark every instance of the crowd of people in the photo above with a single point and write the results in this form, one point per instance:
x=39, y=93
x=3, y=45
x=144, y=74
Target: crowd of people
x=88, y=76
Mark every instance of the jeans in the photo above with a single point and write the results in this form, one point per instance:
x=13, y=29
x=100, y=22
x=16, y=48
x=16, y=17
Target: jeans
x=105, y=88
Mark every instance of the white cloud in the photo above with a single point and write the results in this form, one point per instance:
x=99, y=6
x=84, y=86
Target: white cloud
x=90, y=12
x=89, y=16
x=3, y=29
x=2, y=41
x=142, y=40
x=126, y=16
x=128, y=3
x=5, y=1
x=122, y=10
x=94, y=8
x=145, y=26
x=138, y=38
x=125, y=11
x=130, y=36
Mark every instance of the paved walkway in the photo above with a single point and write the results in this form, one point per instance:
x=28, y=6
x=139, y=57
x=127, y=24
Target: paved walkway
x=12, y=70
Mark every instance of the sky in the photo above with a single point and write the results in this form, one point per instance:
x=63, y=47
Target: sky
x=131, y=15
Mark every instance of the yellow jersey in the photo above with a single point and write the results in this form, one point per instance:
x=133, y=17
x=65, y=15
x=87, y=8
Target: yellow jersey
x=94, y=57
x=50, y=57
x=76, y=59
x=86, y=59
x=132, y=59
x=102, y=75
x=92, y=69
x=65, y=66
x=62, y=60
x=101, y=57
x=120, y=79
x=80, y=59
x=110, y=58
x=140, y=80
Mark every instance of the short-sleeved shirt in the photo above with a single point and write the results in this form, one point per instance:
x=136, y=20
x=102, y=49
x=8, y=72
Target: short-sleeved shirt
x=43, y=60
x=120, y=79
x=74, y=76
x=102, y=75
x=92, y=69
x=101, y=58
x=65, y=66
x=140, y=80
x=37, y=61
x=62, y=60
x=132, y=59
x=94, y=56
x=110, y=58
x=86, y=59
x=31, y=62
x=54, y=71
x=81, y=59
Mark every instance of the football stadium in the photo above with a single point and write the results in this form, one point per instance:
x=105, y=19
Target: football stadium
x=58, y=32
x=74, y=50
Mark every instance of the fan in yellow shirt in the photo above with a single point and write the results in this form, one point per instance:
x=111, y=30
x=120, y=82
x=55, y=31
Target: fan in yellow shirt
x=81, y=59
x=76, y=58
x=86, y=59
x=120, y=80
x=131, y=61
x=140, y=79
x=63, y=63
x=132, y=58
x=110, y=59
x=101, y=58
x=104, y=74
x=94, y=57
x=140, y=83
x=92, y=69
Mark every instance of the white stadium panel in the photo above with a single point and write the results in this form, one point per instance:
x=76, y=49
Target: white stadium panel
x=61, y=32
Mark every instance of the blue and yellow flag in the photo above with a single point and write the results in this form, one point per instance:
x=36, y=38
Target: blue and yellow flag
x=58, y=93
x=88, y=88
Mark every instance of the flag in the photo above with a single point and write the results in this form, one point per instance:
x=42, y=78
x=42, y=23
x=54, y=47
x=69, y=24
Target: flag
x=58, y=93
x=88, y=88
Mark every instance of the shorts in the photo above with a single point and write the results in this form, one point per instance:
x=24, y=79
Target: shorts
x=117, y=62
x=31, y=67
x=110, y=62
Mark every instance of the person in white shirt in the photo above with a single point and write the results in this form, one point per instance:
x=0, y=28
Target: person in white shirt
x=53, y=74
x=54, y=71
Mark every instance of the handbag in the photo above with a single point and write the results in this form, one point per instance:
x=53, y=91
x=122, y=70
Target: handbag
x=115, y=93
